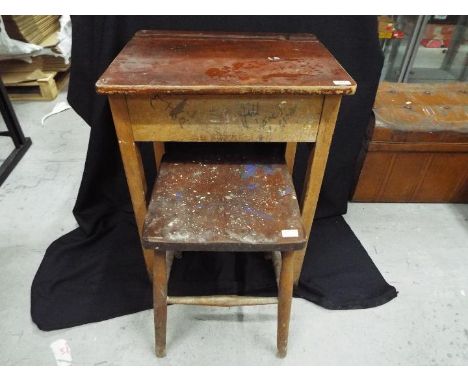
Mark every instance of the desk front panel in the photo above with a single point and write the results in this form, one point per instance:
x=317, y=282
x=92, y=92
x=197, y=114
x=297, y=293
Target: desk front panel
x=225, y=118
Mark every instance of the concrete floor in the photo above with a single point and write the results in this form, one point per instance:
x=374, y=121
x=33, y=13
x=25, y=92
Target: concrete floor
x=421, y=249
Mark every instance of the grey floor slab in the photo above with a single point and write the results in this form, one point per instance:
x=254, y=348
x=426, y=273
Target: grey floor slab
x=421, y=249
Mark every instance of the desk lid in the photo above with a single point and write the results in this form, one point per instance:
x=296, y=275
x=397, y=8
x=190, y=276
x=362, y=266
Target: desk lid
x=224, y=63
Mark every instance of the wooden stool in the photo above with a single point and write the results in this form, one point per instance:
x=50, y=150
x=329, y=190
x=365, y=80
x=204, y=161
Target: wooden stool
x=224, y=87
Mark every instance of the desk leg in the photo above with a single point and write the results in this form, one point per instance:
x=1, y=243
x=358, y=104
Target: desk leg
x=285, y=291
x=315, y=170
x=160, y=302
x=290, y=155
x=159, y=151
x=133, y=166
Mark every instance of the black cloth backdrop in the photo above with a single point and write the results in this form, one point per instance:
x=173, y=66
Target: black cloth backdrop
x=96, y=271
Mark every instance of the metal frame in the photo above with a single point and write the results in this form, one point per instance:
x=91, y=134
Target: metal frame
x=453, y=48
x=15, y=132
x=411, y=50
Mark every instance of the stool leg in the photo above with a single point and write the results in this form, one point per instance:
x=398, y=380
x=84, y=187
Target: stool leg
x=160, y=301
x=285, y=292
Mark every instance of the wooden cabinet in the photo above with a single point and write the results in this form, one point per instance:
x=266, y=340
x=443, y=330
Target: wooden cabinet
x=418, y=150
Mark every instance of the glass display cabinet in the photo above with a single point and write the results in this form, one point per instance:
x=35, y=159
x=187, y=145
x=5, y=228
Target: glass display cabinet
x=424, y=48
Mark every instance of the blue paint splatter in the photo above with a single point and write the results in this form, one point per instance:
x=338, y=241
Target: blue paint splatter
x=257, y=213
x=178, y=195
x=268, y=169
x=249, y=171
x=251, y=186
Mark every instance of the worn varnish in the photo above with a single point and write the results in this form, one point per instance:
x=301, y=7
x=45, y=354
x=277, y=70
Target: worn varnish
x=223, y=205
x=421, y=113
x=225, y=118
x=419, y=147
x=215, y=63
x=224, y=87
x=315, y=170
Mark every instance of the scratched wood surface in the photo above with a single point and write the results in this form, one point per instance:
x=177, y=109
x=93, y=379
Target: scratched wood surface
x=225, y=118
x=223, y=205
x=417, y=113
x=230, y=63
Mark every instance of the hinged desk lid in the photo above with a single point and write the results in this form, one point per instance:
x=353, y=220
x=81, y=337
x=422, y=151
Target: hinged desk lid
x=224, y=63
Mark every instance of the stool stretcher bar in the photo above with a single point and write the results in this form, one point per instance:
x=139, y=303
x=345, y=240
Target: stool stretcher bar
x=226, y=300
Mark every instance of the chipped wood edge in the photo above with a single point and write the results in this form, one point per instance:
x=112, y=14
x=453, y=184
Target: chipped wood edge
x=102, y=88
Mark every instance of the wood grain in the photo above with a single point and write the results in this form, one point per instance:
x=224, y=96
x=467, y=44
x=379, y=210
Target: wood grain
x=225, y=118
x=315, y=170
x=230, y=300
x=159, y=150
x=416, y=113
x=224, y=63
x=223, y=205
x=133, y=167
x=285, y=292
x=160, y=302
x=419, y=147
x=224, y=87
x=290, y=155
x=420, y=177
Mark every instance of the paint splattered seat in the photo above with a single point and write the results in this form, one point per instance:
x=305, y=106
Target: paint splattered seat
x=223, y=204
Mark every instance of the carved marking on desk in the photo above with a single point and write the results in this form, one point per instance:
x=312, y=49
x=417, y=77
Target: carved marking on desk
x=177, y=112
x=182, y=118
x=178, y=109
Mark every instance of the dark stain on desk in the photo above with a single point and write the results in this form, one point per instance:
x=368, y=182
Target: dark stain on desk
x=224, y=63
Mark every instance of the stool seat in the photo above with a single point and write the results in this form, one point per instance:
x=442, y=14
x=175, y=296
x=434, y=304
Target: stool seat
x=219, y=204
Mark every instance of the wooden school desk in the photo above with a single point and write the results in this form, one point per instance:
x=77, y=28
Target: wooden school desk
x=167, y=86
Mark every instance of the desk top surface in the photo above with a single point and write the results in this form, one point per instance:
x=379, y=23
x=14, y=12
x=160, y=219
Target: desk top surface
x=224, y=63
